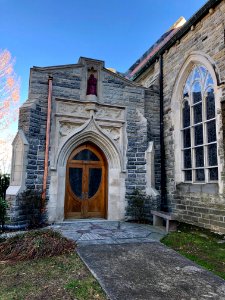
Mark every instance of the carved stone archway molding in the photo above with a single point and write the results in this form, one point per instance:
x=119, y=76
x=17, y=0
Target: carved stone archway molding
x=76, y=122
x=73, y=120
x=92, y=132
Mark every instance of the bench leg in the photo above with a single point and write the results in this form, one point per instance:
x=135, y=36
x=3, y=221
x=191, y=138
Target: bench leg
x=157, y=221
x=173, y=226
x=167, y=225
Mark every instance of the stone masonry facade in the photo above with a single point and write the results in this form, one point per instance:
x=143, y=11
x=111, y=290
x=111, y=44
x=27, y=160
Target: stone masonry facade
x=198, y=204
x=68, y=91
x=124, y=121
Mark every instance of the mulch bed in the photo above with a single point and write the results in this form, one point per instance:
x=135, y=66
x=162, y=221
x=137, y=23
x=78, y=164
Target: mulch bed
x=35, y=244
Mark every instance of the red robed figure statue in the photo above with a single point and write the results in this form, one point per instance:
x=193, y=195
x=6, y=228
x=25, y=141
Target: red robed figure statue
x=92, y=85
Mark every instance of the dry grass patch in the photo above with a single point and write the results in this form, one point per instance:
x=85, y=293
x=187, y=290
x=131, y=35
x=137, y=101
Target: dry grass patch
x=63, y=277
x=35, y=244
x=41, y=265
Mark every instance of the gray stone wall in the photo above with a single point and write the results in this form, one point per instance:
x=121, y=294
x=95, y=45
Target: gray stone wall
x=119, y=92
x=199, y=205
x=69, y=83
x=152, y=114
x=33, y=114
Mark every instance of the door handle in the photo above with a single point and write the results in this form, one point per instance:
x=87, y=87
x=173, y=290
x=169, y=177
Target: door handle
x=84, y=196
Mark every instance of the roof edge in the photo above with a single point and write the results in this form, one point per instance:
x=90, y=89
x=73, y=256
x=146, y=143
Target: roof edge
x=201, y=13
x=56, y=67
x=128, y=81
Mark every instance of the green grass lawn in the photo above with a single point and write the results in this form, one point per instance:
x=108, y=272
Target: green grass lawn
x=199, y=245
x=58, y=277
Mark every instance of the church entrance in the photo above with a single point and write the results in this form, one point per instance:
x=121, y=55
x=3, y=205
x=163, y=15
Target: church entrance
x=86, y=188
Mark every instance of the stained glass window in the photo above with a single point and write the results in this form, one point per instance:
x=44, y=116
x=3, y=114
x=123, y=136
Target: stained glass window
x=204, y=72
x=187, y=158
x=186, y=94
x=199, y=127
x=188, y=175
x=212, y=154
x=186, y=114
x=196, y=74
x=198, y=130
x=213, y=174
x=197, y=113
x=211, y=131
x=209, y=80
x=210, y=104
x=196, y=92
x=200, y=175
x=187, y=138
x=199, y=157
x=86, y=155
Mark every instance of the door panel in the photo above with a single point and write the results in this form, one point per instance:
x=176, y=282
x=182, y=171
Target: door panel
x=86, y=183
x=76, y=180
x=94, y=181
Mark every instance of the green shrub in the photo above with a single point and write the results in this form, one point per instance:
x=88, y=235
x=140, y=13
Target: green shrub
x=4, y=183
x=136, y=203
x=29, y=202
x=3, y=208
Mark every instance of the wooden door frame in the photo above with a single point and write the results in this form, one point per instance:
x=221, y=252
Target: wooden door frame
x=103, y=163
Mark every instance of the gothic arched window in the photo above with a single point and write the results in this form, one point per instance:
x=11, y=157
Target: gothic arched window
x=199, y=142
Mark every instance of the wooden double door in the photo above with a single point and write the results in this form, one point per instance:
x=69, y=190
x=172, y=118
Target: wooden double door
x=86, y=176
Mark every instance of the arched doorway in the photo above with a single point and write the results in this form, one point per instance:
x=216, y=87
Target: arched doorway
x=86, y=179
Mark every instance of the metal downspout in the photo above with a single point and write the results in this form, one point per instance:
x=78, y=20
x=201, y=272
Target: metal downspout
x=164, y=206
x=45, y=177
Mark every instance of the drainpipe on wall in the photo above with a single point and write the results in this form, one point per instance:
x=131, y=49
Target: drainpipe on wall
x=45, y=177
x=164, y=206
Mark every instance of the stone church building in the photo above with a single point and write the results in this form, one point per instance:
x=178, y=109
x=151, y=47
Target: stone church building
x=88, y=136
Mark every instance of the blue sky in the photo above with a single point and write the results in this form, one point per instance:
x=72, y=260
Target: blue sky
x=52, y=32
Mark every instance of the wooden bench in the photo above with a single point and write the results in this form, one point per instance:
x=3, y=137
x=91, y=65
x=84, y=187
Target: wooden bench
x=160, y=216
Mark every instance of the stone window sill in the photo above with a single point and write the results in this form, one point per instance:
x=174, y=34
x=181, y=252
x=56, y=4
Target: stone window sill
x=208, y=188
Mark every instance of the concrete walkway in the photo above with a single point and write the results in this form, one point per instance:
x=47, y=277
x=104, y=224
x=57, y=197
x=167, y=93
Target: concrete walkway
x=131, y=264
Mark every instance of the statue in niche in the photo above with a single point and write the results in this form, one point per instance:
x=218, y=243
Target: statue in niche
x=92, y=85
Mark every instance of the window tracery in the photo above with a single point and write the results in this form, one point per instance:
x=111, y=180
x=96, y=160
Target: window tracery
x=199, y=142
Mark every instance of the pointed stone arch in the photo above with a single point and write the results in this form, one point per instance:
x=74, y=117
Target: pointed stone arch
x=89, y=132
x=194, y=58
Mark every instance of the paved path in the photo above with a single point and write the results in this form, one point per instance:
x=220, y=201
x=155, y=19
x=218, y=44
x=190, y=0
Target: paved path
x=108, y=232
x=131, y=264
x=149, y=271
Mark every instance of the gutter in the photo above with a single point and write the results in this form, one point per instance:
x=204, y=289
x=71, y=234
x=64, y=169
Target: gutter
x=164, y=205
x=201, y=13
x=45, y=177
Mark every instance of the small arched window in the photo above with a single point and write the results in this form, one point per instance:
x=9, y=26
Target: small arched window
x=199, y=142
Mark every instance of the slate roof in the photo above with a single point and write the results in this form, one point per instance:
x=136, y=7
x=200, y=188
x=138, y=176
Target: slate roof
x=150, y=52
x=166, y=41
